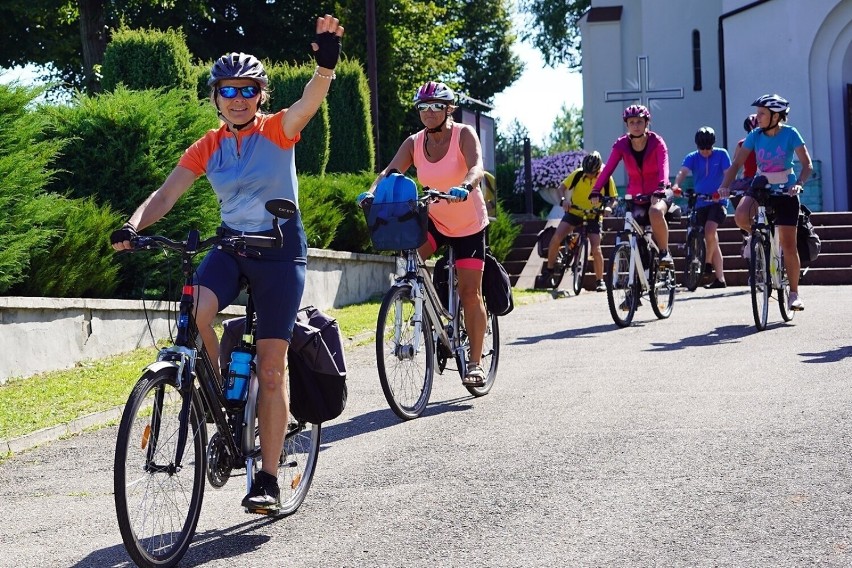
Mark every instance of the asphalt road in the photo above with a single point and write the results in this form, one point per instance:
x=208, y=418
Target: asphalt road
x=693, y=441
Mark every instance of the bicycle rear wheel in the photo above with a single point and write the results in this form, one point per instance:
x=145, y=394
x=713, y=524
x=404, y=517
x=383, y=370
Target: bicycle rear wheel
x=578, y=266
x=158, y=497
x=490, y=354
x=662, y=288
x=405, y=373
x=623, y=298
x=298, y=463
x=784, y=293
x=695, y=258
x=761, y=285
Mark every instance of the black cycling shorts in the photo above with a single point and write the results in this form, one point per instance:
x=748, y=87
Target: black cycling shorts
x=715, y=212
x=470, y=247
x=786, y=208
x=593, y=226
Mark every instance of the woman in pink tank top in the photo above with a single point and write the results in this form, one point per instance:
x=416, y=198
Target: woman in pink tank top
x=448, y=158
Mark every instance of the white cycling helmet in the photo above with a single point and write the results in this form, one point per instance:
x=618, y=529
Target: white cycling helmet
x=775, y=103
x=433, y=91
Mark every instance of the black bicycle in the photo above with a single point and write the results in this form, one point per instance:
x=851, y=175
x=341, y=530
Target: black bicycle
x=695, y=251
x=573, y=254
x=162, y=451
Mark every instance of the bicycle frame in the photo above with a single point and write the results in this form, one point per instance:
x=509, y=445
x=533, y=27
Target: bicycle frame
x=765, y=226
x=634, y=230
x=444, y=321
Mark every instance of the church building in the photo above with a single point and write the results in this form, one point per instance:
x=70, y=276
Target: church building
x=702, y=62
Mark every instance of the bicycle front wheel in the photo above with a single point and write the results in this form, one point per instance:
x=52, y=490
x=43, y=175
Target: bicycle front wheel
x=784, y=293
x=623, y=298
x=158, y=493
x=490, y=355
x=578, y=267
x=662, y=288
x=760, y=283
x=406, y=363
x=695, y=256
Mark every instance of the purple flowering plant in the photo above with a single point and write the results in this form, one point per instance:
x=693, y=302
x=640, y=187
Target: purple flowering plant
x=549, y=171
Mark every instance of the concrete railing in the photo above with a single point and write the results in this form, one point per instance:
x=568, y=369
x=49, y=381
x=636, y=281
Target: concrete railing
x=46, y=334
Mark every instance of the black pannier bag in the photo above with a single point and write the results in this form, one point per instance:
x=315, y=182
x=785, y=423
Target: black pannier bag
x=497, y=287
x=317, y=366
x=807, y=241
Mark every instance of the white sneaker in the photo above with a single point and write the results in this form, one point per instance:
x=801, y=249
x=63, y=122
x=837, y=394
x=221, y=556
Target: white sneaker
x=795, y=303
x=746, y=252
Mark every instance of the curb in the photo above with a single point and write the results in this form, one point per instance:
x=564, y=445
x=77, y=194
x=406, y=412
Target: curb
x=53, y=433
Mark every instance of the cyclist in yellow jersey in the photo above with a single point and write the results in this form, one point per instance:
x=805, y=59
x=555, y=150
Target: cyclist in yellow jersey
x=575, y=199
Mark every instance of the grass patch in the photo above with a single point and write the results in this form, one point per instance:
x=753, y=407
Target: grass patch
x=57, y=397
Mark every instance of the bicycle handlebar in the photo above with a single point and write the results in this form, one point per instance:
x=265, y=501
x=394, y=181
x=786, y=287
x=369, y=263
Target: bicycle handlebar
x=193, y=245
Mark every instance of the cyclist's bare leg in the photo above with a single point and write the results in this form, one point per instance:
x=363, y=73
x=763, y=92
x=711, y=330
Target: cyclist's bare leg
x=562, y=230
x=272, y=400
x=787, y=238
x=745, y=212
x=470, y=294
x=597, y=255
x=206, y=308
x=713, y=250
x=659, y=226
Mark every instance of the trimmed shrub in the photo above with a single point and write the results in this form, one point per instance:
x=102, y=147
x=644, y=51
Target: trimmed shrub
x=29, y=221
x=121, y=147
x=147, y=59
x=286, y=84
x=352, y=148
x=502, y=232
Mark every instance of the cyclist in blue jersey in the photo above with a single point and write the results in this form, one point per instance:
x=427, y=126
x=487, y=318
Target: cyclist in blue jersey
x=707, y=166
x=775, y=144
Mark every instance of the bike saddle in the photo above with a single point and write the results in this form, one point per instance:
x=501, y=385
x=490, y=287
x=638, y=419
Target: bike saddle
x=281, y=208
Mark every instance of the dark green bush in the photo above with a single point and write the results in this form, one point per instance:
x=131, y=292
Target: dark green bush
x=28, y=219
x=502, y=232
x=351, y=146
x=286, y=84
x=120, y=147
x=147, y=59
x=80, y=246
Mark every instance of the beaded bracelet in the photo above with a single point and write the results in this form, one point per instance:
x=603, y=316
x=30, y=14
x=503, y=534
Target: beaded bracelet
x=329, y=77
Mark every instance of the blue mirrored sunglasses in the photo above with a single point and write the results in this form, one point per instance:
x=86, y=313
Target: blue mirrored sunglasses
x=433, y=106
x=230, y=92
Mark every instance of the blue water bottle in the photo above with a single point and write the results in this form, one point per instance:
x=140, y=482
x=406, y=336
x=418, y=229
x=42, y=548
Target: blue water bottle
x=237, y=381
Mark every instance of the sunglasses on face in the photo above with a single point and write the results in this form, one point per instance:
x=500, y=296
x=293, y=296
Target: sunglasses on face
x=248, y=92
x=431, y=106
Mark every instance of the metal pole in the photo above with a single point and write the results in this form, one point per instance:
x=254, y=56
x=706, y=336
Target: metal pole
x=528, y=191
x=373, y=75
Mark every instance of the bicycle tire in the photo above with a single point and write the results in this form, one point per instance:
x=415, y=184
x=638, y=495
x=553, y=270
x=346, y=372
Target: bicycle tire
x=622, y=297
x=784, y=293
x=695, y=258
x=578, y=266
x=760, y=283
x=661, y=293
x=406, y=376
x=560, y=267
x=490, y=355
x=150, y=501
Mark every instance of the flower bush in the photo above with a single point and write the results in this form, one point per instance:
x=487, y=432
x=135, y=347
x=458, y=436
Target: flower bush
x=549, y=171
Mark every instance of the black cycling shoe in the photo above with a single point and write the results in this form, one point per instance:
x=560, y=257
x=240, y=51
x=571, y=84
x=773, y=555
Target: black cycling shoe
x=716, y=284
x=264, y=495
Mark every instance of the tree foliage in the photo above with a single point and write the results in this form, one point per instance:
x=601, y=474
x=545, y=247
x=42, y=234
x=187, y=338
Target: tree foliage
x=567, y=132
x=553, y=29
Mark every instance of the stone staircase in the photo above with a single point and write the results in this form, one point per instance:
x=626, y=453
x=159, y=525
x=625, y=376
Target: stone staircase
x=834, y=265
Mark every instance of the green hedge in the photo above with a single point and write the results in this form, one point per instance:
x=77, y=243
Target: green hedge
x=147, y=59
x=352, y=146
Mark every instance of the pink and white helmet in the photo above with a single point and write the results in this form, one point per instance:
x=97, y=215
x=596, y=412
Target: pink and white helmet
x=640, y=111
x=432, y=91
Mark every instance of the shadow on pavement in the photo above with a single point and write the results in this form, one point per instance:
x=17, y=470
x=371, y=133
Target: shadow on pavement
x=564, y=334
x=229, y=542
x=378, y=419
x=828, y=356
x=724, y=334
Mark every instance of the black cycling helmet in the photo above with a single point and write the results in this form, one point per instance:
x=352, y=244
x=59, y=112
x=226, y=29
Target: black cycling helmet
x=238, y=66
x=750, y=123
x=705, y=138
x=592, y=163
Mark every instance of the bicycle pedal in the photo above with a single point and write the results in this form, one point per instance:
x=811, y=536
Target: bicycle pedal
x=262, y=511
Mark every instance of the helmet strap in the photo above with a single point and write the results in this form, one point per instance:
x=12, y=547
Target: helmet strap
x=230, y=124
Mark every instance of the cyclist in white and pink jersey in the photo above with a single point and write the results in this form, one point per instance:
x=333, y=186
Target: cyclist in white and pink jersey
x=646, y=160
x=448, y=158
